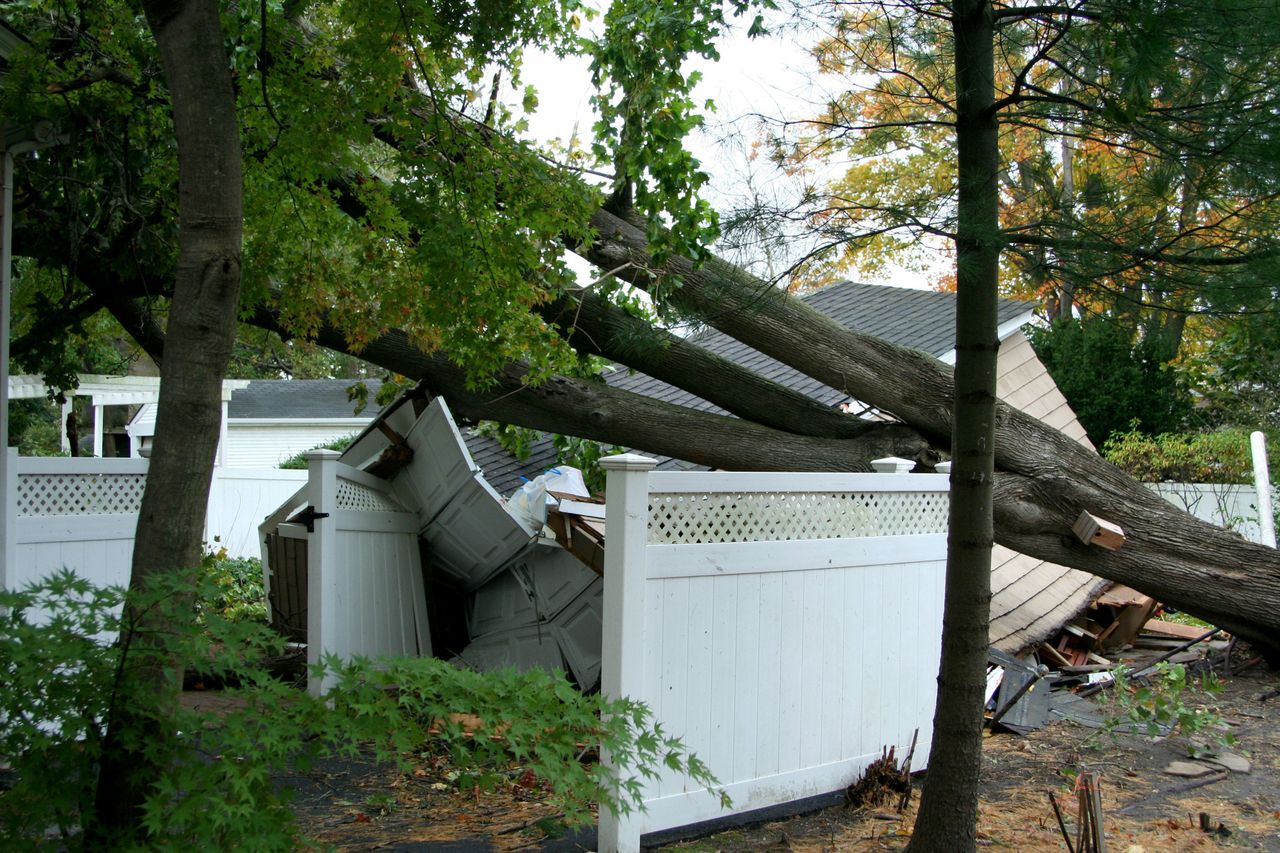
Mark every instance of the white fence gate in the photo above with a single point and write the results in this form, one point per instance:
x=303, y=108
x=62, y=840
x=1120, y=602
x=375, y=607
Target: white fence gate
x=365, y=592
x=786, y=626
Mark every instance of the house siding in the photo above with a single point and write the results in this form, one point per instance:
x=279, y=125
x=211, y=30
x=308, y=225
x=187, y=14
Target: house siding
x=267, y=445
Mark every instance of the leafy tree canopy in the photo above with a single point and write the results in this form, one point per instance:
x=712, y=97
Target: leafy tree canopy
x=387, y=183
x=1110, y=379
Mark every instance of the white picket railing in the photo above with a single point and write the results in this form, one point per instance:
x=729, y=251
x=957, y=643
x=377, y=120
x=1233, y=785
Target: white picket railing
x=786, y=626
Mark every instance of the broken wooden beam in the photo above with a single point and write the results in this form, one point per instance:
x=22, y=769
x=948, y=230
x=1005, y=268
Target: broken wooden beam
x=1092, y=530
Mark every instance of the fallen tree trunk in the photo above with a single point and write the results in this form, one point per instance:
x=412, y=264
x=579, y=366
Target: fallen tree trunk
x=1170, y=555
x=1044, y=479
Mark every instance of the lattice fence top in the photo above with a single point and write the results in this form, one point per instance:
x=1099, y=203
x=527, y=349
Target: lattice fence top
x=781, y=516
x=80, y=494
x=361, y=498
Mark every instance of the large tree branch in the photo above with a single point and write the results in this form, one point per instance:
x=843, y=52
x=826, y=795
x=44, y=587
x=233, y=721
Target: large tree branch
x=595, y=326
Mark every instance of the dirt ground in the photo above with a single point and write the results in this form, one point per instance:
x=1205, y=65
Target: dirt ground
x=362, y=807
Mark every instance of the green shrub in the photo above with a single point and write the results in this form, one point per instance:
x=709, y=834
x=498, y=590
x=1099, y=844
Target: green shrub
x=241, y=594
x=1204, y=457
x=59, y=670
x=298, y=462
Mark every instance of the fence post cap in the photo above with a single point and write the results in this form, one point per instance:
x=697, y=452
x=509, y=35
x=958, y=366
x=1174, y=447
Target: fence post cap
x=628, y=462
x=892, y=465
x=320, y=455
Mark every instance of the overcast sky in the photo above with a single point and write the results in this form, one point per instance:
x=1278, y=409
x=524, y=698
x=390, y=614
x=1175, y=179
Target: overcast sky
x=771, y=76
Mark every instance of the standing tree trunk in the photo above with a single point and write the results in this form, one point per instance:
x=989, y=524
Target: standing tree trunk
x=198, y=346
x=948, y=816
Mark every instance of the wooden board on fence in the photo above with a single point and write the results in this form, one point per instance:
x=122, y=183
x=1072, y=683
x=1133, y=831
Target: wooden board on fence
x=288, y=560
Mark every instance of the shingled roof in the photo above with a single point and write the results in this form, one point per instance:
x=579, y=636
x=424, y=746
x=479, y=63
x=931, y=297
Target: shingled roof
x=300, y=399
x=920, y=319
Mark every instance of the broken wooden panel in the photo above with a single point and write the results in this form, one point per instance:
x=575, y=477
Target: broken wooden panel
x=581, y=536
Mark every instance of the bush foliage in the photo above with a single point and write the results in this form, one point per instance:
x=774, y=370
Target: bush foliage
x=60, y=665
x=1205, y=457
x=1109, y=378
x=298, y=462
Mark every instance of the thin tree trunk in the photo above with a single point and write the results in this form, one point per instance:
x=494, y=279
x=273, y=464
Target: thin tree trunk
x=948, y=815
x=200, y=334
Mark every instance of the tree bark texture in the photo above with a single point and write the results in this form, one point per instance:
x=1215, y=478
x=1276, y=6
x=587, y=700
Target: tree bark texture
x=948, y=816
x=201, y=330
x=1043, y=479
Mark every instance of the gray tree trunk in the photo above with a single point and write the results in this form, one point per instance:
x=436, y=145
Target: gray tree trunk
x=201, y=331
x=948, y=816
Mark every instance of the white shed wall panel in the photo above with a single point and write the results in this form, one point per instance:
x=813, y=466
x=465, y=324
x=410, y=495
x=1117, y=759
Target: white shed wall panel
x=523, y=648
x=534, y=588
x=578, y=629
x=441, y=466
x=266, y=446
x=475, y=536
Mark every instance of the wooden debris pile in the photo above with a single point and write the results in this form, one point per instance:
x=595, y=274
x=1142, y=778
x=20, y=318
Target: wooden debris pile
x=884, y=781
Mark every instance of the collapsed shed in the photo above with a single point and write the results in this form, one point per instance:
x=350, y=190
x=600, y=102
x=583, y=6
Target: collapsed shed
x=404, y=510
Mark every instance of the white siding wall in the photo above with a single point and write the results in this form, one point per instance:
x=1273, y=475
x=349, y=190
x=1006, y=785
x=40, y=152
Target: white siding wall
x=266, y=445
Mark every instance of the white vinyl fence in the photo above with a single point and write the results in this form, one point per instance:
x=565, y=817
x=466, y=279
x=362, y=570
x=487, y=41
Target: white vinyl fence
x=786, y=626
x=1234, y=506
x=363, y=575
x=73, y=513
x=80, y=513
x=239, y=499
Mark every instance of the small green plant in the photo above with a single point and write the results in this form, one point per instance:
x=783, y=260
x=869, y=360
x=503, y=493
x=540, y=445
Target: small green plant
x=1159, y=705
x=298, y=461
x=241, y=594
x=216, y=788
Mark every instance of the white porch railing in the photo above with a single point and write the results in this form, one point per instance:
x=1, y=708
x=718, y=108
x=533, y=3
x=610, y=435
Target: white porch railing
x=786, y=626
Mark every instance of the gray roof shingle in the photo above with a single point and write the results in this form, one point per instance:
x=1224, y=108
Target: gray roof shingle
x=300, y=399
x=920, y=319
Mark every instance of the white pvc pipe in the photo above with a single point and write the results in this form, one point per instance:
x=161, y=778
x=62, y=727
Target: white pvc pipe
x=1262, y=482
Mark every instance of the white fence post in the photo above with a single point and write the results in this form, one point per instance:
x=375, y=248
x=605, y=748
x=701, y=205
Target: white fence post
x=9, y=517
x=322, y=605
x=622, y=662
x=1262, y=482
